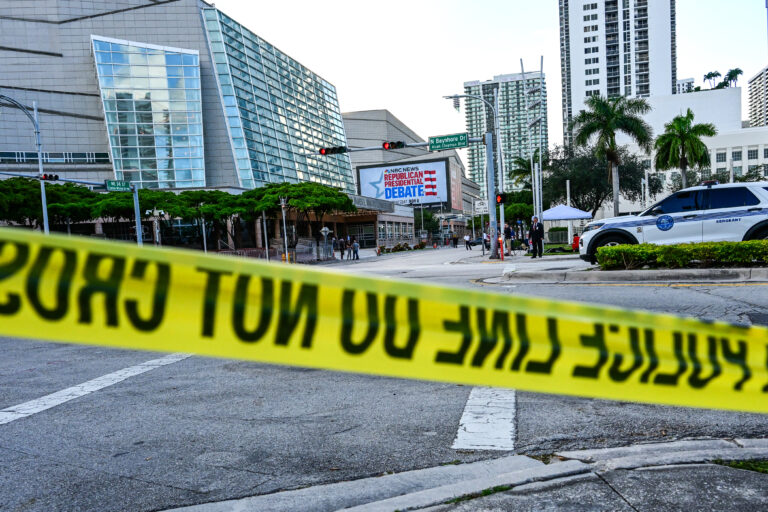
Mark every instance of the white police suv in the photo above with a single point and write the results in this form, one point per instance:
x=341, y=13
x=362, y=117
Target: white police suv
x=707, y=213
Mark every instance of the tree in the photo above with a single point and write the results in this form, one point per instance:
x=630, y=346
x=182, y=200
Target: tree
x=520, y=174
x=518, y=211
x=589, y=190
x=711, y=77
x=603, y=119
x=68, y=203
x=680, y=146
x=20, y=202
x=732, y=76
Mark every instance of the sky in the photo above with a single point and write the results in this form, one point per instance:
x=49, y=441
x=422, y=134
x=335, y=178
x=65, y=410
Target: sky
x=404, y=56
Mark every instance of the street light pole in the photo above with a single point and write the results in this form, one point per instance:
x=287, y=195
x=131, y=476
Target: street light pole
x=489, y=168
x=39, y=148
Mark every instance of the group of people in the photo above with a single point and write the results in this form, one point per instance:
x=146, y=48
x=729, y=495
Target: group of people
x=535, y=239
x=348, y=245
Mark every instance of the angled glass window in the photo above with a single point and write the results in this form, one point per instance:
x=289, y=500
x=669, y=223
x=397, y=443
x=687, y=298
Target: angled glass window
x=261, y=88
x=145, y=91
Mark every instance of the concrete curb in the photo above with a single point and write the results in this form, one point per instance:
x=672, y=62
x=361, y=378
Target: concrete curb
x=425, y=488
x=672, y=453
x=603, y=276
x=354, y=493
x=442, y=494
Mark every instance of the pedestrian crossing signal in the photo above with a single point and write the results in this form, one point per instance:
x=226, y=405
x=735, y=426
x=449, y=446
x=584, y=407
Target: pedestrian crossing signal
x=393, y=145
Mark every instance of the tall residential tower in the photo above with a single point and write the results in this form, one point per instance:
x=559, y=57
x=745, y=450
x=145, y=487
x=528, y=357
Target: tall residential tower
x=616, y=48
x=515, y=116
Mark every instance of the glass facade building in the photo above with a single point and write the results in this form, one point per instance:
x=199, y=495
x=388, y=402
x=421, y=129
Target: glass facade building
x=153, y=113
x=278, y=112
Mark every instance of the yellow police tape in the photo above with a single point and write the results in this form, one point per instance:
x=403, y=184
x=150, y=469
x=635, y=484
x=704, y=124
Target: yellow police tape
x=119, y=295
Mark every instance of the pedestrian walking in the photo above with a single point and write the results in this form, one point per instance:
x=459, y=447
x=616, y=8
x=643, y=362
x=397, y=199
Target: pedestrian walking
x=355, y=249
x=537, y=237
x=467, y=245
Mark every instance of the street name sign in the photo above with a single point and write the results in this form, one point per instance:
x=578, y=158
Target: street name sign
x=118, y=186
x=481, y=207
x=443, y=142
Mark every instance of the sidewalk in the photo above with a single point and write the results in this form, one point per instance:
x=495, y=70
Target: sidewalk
x=678, y=475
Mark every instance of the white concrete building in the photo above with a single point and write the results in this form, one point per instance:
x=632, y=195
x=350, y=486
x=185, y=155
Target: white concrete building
x=685, y=85
x=758, y=99
x=733, y=150
x=616, y=48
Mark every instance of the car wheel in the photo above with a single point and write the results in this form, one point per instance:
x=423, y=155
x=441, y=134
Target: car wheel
x=762, y=234
x=608, y=241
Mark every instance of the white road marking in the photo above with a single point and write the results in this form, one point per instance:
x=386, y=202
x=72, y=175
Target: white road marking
x=65, y=395
x=488, y=422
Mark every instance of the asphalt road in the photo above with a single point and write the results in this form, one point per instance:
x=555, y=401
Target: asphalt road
x=201, y=430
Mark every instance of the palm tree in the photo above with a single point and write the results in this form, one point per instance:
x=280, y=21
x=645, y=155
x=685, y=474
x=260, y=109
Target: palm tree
x=680, y=145
x=732, y=76
x=711, y=76
x=604, y=118
x=520, y=173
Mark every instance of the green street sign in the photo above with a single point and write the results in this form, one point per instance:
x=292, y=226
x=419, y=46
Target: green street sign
x=118, y=186
x=443, y=142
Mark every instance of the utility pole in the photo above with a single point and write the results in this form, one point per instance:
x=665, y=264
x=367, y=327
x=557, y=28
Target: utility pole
x=499, y=162
x=536, y=172
x=491, y=207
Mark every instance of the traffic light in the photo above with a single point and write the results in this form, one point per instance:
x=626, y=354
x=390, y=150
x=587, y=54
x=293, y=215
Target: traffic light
x=397, y=144
x=501, y=198
x=333, y=151
x=49, y=177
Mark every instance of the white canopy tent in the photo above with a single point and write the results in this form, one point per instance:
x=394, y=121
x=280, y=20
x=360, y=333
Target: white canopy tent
x=568, y=213
x=562, y=212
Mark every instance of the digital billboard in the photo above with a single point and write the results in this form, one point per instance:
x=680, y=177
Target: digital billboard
x=407, y=183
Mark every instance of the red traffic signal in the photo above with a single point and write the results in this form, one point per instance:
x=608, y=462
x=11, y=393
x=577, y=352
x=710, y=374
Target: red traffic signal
x=333, y=151
x=501, y=198
x=49, y=177
x=398, y=144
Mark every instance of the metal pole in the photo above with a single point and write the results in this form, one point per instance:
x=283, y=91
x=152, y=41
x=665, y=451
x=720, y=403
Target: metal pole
x=266, y=238
x=285, y=231
x=497, y=127
x=205, y=236
x=137, y=214
x=40, y=168
x=568, y=203
x=530, y=140
x=482, y=233
x=541, y=137
x=491, y=185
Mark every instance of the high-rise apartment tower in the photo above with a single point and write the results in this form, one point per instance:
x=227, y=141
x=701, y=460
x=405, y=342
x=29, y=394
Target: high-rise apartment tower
x=616, y=48
x=517, y=109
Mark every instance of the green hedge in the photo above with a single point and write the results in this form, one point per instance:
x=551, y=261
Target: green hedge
x=753, y=253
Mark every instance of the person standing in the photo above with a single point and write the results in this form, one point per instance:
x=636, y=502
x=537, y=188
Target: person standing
x=537, y=237
x=349, y=249
x=507, y=238
x=467, y=245
x=355, y=249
